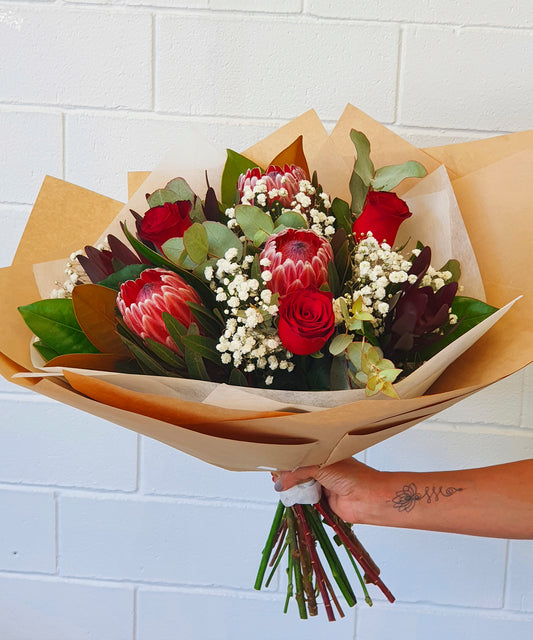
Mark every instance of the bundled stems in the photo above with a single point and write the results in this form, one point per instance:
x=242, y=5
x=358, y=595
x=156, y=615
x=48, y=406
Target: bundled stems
x=300, y=530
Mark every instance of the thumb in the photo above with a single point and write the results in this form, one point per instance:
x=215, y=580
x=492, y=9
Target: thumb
x=288, y=479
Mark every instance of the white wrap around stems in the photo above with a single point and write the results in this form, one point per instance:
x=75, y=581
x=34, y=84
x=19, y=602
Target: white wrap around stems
x=306, y=493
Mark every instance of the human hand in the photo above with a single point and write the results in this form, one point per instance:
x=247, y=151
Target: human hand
x=348, y=486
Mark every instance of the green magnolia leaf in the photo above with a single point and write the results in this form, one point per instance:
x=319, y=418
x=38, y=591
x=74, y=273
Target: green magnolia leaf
x=54, y=322
x=339, y=343
x=363, y=167
x=454, y=267
x=470, y=312
x=253, y=220
x=358, y=191
x=341, y=210
x=235, y=165
x=220, y=239
x=129, y=272
x=387, y=178
x=291, y=219
x=196, y=243
x=45, y=351
x=160, y=197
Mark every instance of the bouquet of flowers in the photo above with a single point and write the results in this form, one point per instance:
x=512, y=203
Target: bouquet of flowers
x=216, y=319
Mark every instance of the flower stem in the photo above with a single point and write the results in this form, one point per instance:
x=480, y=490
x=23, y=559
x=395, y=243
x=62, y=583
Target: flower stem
x=297, y=570
x=331, y=557
x=276, y=564
x=276, y=524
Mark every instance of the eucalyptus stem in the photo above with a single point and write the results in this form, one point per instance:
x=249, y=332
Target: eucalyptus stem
x=289, y=584
x=276, y=523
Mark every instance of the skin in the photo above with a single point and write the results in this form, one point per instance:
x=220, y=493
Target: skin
x=490, y=501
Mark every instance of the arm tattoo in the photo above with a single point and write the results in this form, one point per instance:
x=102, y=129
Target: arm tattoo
x=406, y=499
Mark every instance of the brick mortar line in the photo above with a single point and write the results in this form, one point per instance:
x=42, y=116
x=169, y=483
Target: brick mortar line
x=209, y=118
x=307, y=15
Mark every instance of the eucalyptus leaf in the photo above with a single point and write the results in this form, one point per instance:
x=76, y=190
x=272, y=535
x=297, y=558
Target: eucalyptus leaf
x=338, y=374
x=363, y=167
x=220, y=239
x=339, y=343
x=387, y=178
x=160, y=197
x=358, y=191
x=196, y=243
x=174, y=250
x=54, y=322
x=253, y=220
x=291, y=219
x=181, y=190
x=235, y=165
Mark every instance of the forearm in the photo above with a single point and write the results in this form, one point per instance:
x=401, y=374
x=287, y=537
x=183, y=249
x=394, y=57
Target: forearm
x=491, y=501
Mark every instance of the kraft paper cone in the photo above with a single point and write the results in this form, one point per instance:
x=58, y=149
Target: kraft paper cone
x=241, y=436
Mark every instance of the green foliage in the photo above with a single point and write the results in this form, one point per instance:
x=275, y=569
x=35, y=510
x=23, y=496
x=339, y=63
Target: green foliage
x=129, y=272
x=387, y=178
x=196, y=243
x=235, y=165
x=454, y=267
x=363, y=167
x=292, y=220
x=470, y=312
x=358, y=191
x=255, y=223
x=221, y=239
x=343, y=216
x=54, y=322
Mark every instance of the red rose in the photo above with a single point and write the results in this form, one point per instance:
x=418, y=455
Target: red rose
x=382, y=214
x=306, y=320
x=170, y=220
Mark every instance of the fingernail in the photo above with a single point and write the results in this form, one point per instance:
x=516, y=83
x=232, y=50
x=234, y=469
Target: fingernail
x=278, y=485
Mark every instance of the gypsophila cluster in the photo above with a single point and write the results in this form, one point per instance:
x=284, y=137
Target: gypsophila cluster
x=249, y=341
x=74, y=275
x=375, y=267
x=312, y=205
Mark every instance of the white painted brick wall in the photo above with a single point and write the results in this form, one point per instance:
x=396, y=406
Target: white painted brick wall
x=107, y=536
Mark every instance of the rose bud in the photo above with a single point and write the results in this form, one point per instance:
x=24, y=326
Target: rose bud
x=275, y=179
x=142, y=303
x=170, y=220
x=297, y=258
x=306, y=320
x=382, y=214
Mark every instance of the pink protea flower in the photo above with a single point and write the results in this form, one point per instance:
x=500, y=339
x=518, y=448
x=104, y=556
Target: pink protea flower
x=296, y=258
x=281, y=184
x=142, y=303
